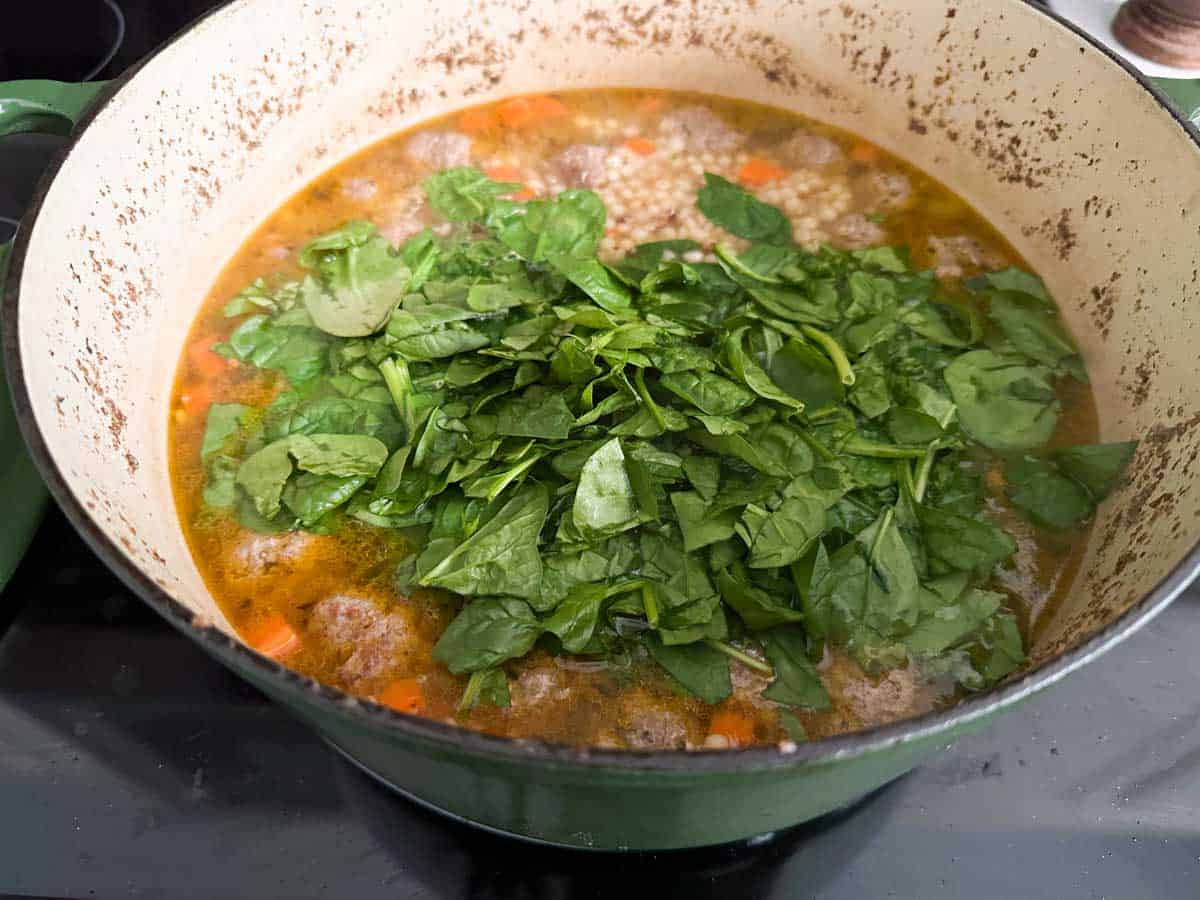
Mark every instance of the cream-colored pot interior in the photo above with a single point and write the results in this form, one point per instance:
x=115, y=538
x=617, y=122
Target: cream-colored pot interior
x=1072, y=159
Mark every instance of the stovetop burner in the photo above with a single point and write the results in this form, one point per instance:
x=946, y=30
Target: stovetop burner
x=133, y=764
x=67, y=40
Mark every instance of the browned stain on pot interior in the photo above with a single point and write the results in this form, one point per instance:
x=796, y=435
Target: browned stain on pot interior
x=476, y=50
x=1138, y=386
x=466, y=47
x=935, y=89
x=1058, y=232
x=88, y=372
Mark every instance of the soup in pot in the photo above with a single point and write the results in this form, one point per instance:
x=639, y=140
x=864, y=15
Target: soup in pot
x=636, y=419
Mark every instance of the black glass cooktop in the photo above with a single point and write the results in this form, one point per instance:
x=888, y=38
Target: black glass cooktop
x=131, y=765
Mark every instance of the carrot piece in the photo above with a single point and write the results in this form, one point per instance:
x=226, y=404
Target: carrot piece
x=273, y=637
x=864, y=153
x=640, y=145
x=197, y=398
x=738, y=728
x=549, y=107
x=405, y=695
x=474, y=121
x=503, y=172
x=203, y=360
x=760, y=171
x=521, y=112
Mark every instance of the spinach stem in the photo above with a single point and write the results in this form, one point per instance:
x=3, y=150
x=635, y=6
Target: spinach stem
x=495, y=484
x=841, y=363
x=816, y=446
x=470, y=693
x=729, y=257
x=400, y=386
x=884, y=524
x=650, y=604
x=744, y=658
x=858, y=446
x=640, y=380
x=921, y=481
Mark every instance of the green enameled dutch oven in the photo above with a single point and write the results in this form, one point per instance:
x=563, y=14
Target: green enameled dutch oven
x=1081, y=164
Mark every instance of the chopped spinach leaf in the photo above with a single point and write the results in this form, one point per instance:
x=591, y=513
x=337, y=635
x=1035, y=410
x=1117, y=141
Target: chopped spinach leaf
x=699, y=669
x=607, y=456
x=740, y=212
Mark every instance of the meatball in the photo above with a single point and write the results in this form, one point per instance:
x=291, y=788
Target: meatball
x=360, y=188
x=953, y=256
x=538, y=684
x=406, y=220
x=854, y=231
x=890, y=189
x=260, y=552
x=702, y=129
x=648, y=723
x=748, y=686
x=377, y=641
x=440, y=149
x=868, y=701
x=806, y=149
x=261, y=563
x=582, y=165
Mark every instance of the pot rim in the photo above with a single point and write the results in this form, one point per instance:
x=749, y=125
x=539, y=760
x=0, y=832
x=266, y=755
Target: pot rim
x=454, y=738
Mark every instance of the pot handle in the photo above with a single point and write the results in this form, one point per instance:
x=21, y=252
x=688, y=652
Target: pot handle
x=53, y=107
x=1184, y=94
x=48, y=107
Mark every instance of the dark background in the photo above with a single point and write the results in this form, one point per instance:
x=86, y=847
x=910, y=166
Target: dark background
x=131, y=765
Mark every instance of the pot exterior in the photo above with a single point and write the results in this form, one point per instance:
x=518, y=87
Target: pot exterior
x=648, y=812
x=595, y=809
x=1085, y=170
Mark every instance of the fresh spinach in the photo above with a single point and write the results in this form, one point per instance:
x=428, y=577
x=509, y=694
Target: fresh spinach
x=502, y=556
x=604, y=498
x=777, y=451
x=699, y=525
x=961, y=542
x=1003, y=401
x=756, y=607
x=287, y=344
x=1062, y=490
x=537, y=413
x=698, y=668
x=740, y=212
x=487, y=632
x=797, y=682
x=433, y=331
x=708, y=392
x=1096, y=467
x=485, y=686
x=463, y=194
x=223, y=431
x=357, y=279
x=781, y=536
